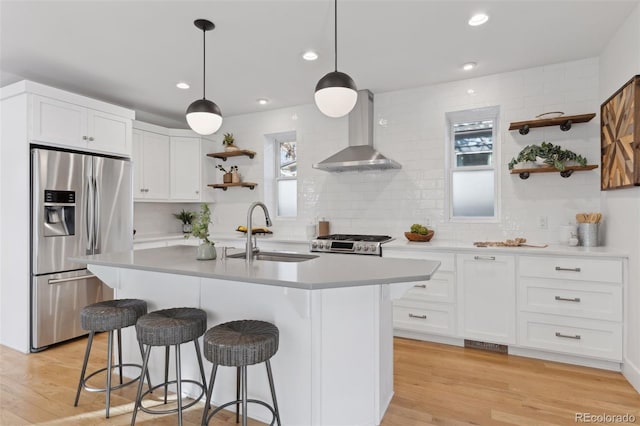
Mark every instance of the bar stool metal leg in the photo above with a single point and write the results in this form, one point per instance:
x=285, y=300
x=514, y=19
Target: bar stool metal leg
x=207, y=404
x=145, y=366
x=84, y=367
x=166, y=372
x=179, y=385
x=273, y=391
x=120, y=353
x=243, y=373
x=142, y=357
x=238, y=395
x=200, y=363
x=109, y=368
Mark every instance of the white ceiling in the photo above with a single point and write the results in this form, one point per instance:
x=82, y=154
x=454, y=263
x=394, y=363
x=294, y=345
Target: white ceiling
x=132, y=53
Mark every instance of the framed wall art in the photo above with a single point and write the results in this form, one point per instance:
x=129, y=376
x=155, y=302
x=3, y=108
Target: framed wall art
x=620, y=137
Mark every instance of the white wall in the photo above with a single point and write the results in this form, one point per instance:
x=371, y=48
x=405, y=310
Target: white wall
x=414, y=135
x=618, y=63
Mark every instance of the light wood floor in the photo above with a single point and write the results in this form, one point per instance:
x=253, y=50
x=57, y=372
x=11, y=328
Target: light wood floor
x=434, y=384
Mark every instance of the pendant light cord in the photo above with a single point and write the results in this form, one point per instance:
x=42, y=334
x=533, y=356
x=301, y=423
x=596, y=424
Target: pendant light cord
x=204, y=62
x=335, y=34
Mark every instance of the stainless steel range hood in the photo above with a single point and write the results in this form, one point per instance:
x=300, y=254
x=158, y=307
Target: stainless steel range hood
x=359, y=155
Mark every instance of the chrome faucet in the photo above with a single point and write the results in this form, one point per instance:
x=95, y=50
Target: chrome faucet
x=250, y=247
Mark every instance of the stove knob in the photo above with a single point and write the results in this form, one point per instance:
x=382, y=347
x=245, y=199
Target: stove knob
x=372, y=248
x=314, y=245
x=327, y=246
x=366, y=248
x=358, y=247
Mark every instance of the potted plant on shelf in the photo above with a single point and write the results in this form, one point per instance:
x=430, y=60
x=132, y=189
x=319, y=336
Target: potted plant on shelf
x=227, y=177
x=546, y=155
x=186, y=217
x=228, y=142
x=200, y=229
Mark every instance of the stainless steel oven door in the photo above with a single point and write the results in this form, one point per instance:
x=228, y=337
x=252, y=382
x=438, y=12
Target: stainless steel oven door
x=56, y=303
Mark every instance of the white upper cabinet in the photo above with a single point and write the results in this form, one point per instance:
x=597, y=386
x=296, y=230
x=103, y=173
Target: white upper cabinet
x=150, y=166
x=70, y=125
x=185, y=163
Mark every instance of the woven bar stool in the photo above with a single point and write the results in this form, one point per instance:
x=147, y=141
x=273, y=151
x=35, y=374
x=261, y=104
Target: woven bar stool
x=110, y=315
x=239, y=344
x=170, y=327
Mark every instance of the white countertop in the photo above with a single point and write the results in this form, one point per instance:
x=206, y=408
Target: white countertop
x=436, y=245
x=325, y=271
x=460, y=247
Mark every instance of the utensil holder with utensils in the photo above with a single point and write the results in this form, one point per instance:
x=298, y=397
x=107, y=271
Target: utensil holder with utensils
x=588, y=227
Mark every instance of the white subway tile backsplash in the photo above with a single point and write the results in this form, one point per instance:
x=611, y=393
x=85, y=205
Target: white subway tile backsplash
x=414, y=134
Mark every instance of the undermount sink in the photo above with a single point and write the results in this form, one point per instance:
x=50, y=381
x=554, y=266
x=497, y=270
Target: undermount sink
x=275, y=256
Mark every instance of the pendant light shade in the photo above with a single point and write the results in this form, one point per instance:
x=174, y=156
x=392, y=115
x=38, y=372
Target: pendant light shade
x=336, y=93
x=204, y=116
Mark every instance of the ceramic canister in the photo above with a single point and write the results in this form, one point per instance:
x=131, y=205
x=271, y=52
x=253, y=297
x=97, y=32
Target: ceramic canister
x=566, y=231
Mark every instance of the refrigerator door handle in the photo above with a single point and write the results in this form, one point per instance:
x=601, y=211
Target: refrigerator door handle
x=66, y=280
x=96, y=217
x=89, y=216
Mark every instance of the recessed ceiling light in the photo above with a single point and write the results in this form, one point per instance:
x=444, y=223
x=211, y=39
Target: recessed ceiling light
x=182, y=85
x=471, y=92
x=469, y=66
x=478, y=19
x=263, y=101
x=309, y=55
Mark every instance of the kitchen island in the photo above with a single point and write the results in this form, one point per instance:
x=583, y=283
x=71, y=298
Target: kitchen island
x=334, y=365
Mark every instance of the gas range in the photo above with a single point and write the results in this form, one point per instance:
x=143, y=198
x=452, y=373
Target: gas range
x=351, y=244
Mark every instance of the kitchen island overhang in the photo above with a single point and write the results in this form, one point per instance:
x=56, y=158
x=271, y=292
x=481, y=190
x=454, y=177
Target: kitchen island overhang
x=335, y=361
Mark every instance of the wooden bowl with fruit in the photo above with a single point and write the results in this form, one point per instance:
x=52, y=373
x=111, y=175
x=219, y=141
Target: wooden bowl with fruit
x=419, y=233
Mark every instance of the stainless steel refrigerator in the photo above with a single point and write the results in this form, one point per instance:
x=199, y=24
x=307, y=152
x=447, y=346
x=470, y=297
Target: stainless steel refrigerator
x=80, y=204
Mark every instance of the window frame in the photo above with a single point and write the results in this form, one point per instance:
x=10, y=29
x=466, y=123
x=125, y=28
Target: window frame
x=277, y=177
x=491, y=113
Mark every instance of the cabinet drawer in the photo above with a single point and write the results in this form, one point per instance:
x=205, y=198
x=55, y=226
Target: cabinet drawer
x=572, y=268
x=447, y=260
x=592, y=338
x=573, y=298
x=424, y=317
x=440, y=288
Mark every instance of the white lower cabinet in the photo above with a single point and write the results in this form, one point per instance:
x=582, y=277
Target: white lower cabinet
x=434, y=318
x=429, y=306
x=572, y=336
x=571, y=306
x=487, y=297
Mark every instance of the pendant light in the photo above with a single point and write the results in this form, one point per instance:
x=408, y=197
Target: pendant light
x=336, y=92
x=204, y=117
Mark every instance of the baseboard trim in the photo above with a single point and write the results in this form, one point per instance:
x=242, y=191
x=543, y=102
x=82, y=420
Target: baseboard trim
x=567, y=359
x=631, y=372
x=428, y=337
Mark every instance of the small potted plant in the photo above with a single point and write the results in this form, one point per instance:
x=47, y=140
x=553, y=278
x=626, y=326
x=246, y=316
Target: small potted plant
x=227, y=177
x=200, y=229
x=235, y=176
x=228, y=142
x=186, y=217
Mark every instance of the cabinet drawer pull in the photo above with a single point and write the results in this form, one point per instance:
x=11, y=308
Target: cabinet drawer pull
x=91, y=139
x=566, y=336
x=484, y=257
x=559, y=268
x=84, y=138
x=418, y=316
x=420, y=286
x=568, y=299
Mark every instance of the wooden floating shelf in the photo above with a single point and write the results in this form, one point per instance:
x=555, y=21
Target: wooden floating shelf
x=564, y=122
x=226, y=154
x=224, y=186
x=568, y=171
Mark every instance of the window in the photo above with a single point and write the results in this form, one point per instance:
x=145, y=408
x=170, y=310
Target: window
x=286, y=178
x=472, y=166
